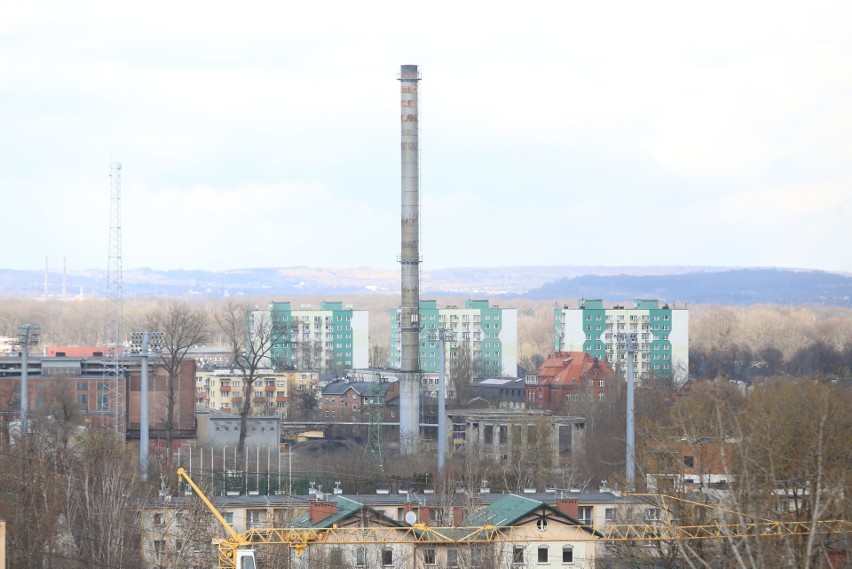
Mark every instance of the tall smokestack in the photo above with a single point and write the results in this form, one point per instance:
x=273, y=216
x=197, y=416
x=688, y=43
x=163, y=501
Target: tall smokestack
x=409, y=396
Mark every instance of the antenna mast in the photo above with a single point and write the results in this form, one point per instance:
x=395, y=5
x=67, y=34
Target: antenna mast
x=114, y=312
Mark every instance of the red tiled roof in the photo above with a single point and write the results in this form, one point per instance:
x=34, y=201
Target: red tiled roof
x=569, y=368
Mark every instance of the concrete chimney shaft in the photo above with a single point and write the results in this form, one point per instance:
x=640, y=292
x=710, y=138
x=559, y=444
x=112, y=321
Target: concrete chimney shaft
x=409, y=325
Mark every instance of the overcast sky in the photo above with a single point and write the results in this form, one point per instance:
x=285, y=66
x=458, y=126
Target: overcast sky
x=266, y=134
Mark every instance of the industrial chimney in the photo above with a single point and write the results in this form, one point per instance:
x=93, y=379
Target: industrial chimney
x=409, y=313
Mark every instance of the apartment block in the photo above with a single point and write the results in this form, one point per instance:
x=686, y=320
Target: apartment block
x=488, y=333
x=334, y=337
x=224, y=390
x=661, y=334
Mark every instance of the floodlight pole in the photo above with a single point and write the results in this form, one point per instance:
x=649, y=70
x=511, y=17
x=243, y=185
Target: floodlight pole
x=443, y=335
x=630, y=461
x=27, y=336
x=143, y=411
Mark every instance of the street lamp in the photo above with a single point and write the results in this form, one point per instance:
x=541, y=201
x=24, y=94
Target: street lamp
x=443, y=335
x=27, y=336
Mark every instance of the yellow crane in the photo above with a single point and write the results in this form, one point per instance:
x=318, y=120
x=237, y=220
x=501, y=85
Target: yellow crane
x=237, y=551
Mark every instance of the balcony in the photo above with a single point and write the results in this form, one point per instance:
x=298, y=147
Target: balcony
x=236, y=400
x=225, y=388
x=281, y=400
x=260, y=400
x=270, y=388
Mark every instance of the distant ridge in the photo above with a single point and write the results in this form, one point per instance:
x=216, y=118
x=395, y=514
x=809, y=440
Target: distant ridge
x=560, y=283
x=738, y=286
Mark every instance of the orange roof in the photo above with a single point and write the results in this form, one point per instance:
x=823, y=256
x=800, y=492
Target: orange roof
x=569, y=368
x=82, y=351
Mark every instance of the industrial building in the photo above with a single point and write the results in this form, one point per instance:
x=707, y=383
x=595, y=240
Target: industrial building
x=488, y=333
x=660, y=332
x=334, y=337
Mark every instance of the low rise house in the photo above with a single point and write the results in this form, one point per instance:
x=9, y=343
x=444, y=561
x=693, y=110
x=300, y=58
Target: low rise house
x=347, y=401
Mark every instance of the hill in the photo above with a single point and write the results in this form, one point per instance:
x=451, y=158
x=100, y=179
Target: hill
x=739, y=286
x=673, y=283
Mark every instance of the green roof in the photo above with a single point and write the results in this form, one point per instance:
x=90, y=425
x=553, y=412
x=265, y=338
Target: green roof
x=345, y=509
x=509, y=510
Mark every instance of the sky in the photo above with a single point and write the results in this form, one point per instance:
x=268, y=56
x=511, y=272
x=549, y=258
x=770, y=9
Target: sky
x=266, y=134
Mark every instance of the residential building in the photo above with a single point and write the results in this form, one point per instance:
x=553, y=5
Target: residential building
x=661, y=334
x=345, y=401
x=560, y=539
x=335, y=337
x=224, y=389
x=179, y=531
x=488, y=334
x=568, y=380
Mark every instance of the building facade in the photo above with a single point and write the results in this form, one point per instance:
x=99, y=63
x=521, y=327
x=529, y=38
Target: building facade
x=335, y=337
x=343, y=401
x=224, y=390
x=661, y=335
x=489, y=334
x=568, y=381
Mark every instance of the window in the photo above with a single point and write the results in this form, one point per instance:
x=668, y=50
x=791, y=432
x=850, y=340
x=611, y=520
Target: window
x=361, y=557
x=229, y=517
x=652, y=514
x=103, y=402
x=584, y=514
x=542, y=554
x=689, y=461
x=518, y=555
x=159, y=546
x=609, y=515
x=158, y=519
x=387, y=556
x=83, y=401
x=429, y=556
x=452, y=558
x=335, y=557
x=252, y=519
x=82, y=386
x=567, y=554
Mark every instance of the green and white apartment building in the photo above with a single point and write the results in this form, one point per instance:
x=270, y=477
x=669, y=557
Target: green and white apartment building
x=489, y=332
x=335, y=337
x=662, y=334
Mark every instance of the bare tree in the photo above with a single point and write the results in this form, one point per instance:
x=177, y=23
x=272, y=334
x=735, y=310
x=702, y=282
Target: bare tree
x=182, y=327
x=251, y=336
x=102, y=496
x=463, y=370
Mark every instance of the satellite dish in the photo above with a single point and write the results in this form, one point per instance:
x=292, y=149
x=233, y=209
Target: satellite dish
x=410, y=517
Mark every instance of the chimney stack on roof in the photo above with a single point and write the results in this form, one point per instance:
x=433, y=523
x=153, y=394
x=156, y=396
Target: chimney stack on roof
x=318, y=510
x=569, y=507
